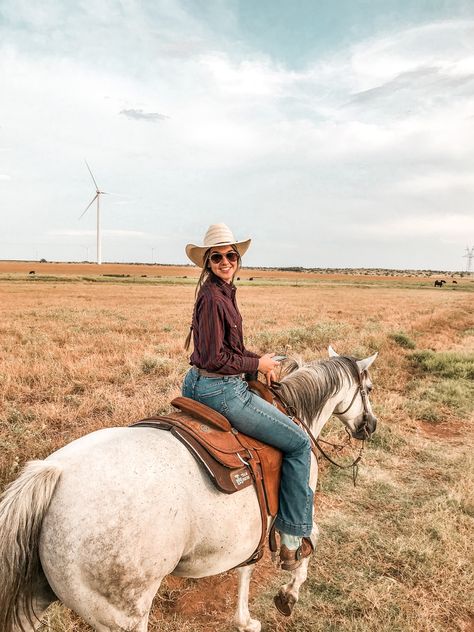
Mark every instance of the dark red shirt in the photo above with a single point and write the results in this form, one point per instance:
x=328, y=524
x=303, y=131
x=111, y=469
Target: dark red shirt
x=217, y=331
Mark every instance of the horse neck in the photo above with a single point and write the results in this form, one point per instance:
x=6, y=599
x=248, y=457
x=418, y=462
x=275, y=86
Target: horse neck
x=323, y=416
x=318, y=418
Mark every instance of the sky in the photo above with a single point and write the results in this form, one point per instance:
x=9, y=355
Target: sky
x=334, y=133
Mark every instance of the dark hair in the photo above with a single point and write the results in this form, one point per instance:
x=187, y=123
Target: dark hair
x=205, y=272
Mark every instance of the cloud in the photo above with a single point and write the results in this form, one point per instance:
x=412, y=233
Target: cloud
x=416, y=83
x=106, y=232
x=140, y=115
x=414, y=226
x=4, y=177
x=372, y=130
x=443, y=44
x=436, y=182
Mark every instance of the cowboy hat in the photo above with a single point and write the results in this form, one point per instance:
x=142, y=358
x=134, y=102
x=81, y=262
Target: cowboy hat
x=216, y=235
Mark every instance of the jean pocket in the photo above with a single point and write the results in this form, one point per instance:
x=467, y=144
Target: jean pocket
x=218, y=392
x=214, y=397
x=239, y=393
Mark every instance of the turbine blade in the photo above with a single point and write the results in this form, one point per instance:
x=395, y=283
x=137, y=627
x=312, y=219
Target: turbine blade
x=93, y=179
x=89, y=205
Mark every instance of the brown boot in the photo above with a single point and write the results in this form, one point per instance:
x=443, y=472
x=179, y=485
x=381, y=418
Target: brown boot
x=290, y=559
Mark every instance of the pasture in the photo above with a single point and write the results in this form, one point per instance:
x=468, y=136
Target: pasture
x=81, y=352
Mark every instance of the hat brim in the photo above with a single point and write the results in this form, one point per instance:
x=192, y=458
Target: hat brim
x=196, y=253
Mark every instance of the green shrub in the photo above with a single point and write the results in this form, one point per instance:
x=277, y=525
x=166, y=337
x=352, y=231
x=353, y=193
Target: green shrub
x=429, y=401
x=449, y=364
x=402, y=340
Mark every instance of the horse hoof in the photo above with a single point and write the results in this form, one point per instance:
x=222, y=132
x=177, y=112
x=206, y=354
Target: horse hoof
x=284, y=603
x=253, y=625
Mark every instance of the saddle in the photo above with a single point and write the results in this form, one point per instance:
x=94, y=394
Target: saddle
x=232, y=460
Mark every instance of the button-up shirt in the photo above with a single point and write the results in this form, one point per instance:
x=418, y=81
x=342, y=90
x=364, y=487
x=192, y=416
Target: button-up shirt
x=217, y=331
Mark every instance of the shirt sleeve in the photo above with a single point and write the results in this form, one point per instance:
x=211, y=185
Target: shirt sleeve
x=214, y=354
x=251, y=354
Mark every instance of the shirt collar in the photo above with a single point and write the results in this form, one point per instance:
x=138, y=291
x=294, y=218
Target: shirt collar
x=228, y=289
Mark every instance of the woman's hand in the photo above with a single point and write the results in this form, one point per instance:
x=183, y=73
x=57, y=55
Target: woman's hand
x=267, y=366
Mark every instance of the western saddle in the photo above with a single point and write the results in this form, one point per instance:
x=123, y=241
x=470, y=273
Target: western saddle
x=232, y=460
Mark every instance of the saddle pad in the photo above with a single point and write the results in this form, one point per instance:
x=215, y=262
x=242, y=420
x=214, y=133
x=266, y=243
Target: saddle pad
x=226, y=479
x=230, y=449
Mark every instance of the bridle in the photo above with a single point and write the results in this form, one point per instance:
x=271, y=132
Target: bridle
x=363, y=394
x=360, y=389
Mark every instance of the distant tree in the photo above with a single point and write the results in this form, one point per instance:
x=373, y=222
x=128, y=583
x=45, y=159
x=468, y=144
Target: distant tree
x=43, y=261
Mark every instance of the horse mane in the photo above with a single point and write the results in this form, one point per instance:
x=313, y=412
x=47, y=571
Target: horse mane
x=306, y=388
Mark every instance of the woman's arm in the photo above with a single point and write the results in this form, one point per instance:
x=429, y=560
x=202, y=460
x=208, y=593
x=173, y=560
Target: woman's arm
x=212, y=353
x=250, y=354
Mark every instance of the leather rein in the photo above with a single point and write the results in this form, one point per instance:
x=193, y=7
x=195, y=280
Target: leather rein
x=316, y=443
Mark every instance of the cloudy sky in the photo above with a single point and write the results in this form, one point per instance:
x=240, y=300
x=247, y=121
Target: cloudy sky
x=336, y=133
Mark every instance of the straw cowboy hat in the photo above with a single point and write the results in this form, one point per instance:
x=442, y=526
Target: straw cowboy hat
x=216, y=235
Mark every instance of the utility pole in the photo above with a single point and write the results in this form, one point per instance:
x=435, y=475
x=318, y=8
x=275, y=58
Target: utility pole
x=469, y=256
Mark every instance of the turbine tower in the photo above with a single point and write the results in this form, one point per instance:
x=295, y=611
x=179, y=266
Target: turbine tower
x=97, y=195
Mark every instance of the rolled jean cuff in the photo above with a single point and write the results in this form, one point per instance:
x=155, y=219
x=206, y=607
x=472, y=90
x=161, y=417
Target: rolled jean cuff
x=300, y=530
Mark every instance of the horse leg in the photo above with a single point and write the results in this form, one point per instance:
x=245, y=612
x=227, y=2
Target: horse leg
x=140, y=626
x=242, y=619
x=41, y=599
x=289, y=593
x=106, y=611
x=107, y=617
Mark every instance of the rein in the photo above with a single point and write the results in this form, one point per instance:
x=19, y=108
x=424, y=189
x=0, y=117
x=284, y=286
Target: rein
x=315, y=443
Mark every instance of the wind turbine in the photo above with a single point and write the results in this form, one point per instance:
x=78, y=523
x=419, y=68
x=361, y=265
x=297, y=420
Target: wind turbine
x=97, y=195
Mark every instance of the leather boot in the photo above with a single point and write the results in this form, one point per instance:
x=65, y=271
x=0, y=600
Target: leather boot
x=290, y=559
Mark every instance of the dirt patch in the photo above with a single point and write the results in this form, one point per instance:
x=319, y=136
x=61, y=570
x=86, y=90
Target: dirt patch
x=209, y=598
x=450, y=430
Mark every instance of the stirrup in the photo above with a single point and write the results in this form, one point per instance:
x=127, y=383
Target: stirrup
x=290, y=559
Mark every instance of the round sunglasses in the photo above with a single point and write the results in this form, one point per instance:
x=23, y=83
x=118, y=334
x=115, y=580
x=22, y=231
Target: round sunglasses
x=231, y=256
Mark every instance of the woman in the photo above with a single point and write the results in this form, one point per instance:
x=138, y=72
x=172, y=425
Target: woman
x=218, y=361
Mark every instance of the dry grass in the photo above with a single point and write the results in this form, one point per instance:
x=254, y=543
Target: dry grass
x=394, y=551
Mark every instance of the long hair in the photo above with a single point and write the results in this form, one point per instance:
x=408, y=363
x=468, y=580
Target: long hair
x=205, y=272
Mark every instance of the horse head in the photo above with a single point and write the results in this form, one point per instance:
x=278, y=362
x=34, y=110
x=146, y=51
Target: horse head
x=355, y=410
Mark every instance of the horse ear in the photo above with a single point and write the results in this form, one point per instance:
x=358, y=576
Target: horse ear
x=332, y=353
x=364, y=364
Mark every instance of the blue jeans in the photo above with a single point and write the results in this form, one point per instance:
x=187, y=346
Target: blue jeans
x=252, y=415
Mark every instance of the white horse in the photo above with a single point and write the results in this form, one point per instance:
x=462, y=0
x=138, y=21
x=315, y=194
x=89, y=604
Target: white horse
x=99, y=523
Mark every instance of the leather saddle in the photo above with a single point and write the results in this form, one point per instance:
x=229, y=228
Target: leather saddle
x=232, y=460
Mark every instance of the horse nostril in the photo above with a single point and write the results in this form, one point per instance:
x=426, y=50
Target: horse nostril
x=371, y=424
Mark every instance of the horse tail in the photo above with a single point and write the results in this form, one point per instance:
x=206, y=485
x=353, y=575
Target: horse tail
x=23, y=506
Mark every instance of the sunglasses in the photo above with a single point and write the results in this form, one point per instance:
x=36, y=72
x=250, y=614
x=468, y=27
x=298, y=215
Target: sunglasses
x=231, y=256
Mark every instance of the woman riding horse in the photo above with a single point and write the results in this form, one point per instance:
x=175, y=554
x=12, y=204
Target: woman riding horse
x=219, y=361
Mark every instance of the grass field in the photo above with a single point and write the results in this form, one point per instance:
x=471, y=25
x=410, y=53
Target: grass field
x=396, y=551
